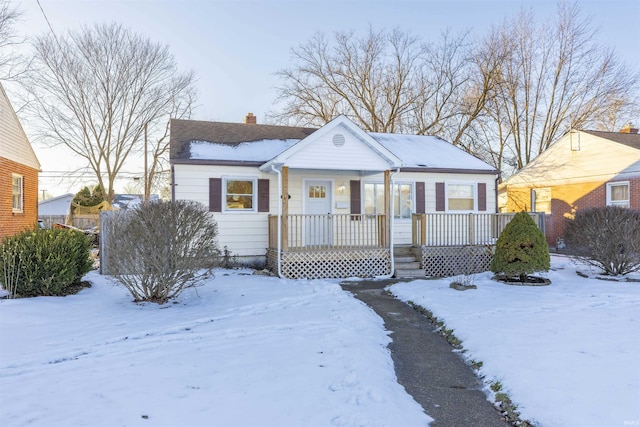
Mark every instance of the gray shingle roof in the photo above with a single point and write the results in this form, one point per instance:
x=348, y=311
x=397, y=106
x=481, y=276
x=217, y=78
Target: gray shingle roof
x=185, y=131
x=628, y=139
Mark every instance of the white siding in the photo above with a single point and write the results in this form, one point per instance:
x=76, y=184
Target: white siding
x=246, y=233
x=14, y=144
x=323, y=154
x=402, y=231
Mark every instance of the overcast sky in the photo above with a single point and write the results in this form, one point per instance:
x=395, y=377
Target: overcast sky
x=236, y=46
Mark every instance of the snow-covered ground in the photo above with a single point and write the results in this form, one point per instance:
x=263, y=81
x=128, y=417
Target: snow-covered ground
x=568, y=354
x=241, y=351
x=258, y=351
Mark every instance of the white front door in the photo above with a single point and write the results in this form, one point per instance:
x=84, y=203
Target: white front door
x=318, y=213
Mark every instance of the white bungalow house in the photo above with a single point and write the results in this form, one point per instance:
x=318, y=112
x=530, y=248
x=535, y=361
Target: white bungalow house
x=337, y=201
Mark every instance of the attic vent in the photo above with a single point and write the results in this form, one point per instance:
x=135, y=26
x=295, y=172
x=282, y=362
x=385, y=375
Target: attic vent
x=338, y=140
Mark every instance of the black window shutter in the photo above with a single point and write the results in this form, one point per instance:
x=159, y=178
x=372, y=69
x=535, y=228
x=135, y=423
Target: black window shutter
x=420, y=202
x=440, y=197
x=215, y=194
x=356, y=199
x=263, y=195
x=482, y=196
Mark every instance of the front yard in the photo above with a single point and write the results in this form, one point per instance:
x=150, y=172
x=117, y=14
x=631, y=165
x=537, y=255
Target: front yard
x=568, y=354
x=250, y=350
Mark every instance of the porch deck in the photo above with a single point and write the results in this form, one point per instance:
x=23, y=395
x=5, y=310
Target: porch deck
x=337, y=246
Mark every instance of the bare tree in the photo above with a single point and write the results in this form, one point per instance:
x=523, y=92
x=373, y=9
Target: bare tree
x=97, y=90
x=11, y=63
x=555, y=78
x=390, y=81
x=175, y=247
x=386, y=81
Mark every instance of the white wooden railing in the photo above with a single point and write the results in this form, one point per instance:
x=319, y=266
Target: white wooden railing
x=322, y=232
x=447, y=229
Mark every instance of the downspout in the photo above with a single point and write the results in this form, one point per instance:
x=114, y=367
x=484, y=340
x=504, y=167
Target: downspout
x=391, y=225
x=497, y=209
x=279, y=249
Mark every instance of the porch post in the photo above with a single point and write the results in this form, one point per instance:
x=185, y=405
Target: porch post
x=387, y=205
x=284, y=226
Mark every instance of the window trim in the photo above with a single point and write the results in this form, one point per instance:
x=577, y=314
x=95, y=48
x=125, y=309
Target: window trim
x=412, y=186
x=624, y=204
x=19, y=209
x=254, y=196
x=474, y=195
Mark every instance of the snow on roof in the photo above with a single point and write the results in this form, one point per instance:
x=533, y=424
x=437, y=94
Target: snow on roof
x=259, y=151
x=415, y=151
x=420, y=151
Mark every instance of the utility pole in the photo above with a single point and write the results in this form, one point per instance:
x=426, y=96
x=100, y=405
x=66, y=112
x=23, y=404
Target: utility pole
x=146, y=173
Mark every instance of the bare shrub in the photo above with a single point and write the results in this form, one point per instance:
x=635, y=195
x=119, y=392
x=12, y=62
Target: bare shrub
x=161, y=248
x=607, y=238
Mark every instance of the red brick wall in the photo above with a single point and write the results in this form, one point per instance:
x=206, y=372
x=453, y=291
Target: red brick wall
x=10, y=222
x=567, y=199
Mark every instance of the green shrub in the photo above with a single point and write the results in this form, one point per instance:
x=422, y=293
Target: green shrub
x=607, y=238
x=521, y=249
x=44, y=262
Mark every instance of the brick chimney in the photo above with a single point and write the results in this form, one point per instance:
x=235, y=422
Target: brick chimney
x=628, y=129
x=250, y=119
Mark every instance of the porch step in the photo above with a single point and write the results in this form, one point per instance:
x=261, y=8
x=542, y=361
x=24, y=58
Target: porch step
x=403, y=251
x=402, y=259
x=406, y=264
x=409, y=273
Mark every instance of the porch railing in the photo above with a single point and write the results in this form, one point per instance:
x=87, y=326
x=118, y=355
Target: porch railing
x=323, y=232
x=447, y=229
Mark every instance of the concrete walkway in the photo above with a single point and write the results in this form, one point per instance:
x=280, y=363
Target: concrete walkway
x=436, y=377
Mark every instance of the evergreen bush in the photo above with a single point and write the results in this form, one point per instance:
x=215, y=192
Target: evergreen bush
x=521, y=249
x=44, y=262
x=607, y=238
x=160, y=248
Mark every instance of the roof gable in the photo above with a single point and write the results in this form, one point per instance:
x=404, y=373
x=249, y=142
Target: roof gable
x=14, y=144
x=582, y=156
x=338, y=145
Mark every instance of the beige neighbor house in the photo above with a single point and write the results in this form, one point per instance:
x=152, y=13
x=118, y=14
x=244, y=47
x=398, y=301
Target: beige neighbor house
x=583, y=169
x=19, y=169
x=337, y=201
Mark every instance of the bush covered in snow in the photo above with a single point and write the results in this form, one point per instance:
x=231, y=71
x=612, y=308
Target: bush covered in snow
x=607, y=238
x=521, y=249
x=160, y=248
x=44, y=262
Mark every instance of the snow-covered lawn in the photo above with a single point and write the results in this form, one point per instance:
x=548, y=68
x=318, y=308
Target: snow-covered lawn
x=568, y=354
x=258, y=351
x=242, y=351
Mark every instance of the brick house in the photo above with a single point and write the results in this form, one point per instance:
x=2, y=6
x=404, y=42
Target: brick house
x=583, y=169
x=19, y=169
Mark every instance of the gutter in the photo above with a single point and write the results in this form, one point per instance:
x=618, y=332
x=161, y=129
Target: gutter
x=279, y=249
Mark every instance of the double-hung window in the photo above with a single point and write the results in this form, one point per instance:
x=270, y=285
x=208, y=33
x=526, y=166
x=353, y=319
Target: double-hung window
x=461, y=197
x=17, y=193
x=402, y=199
x=240, y=194
x=618, y=194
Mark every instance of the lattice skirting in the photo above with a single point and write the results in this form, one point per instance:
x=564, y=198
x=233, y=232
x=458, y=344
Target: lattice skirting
x=332, y=264
x=446, y=261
